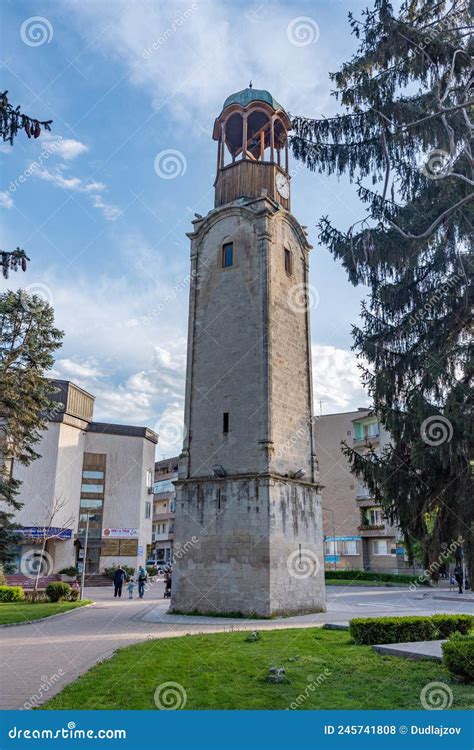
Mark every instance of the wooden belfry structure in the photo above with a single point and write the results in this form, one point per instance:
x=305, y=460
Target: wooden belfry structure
x=252, y=134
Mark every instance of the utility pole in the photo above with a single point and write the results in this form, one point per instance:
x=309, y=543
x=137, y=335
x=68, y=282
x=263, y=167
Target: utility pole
x=84, y=561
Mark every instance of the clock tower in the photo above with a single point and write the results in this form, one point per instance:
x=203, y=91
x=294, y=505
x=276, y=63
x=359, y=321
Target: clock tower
x=248, y=531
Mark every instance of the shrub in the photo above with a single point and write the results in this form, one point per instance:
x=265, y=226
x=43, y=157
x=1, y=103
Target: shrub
x=458, y=656
x=109, y=572
x=11, y=594
x=3, y=580
x=57, y=591
x=73, y=595
x=71, y=571
x=367, y=575
x=370, y=630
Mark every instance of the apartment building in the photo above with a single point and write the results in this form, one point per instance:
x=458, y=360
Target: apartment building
x=356, y=534
x=93, y=479
x=164, y=510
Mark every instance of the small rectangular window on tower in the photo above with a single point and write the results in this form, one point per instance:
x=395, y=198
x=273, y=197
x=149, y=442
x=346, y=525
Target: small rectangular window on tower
x=225, y=422
x=228, y=255
x=288, y=261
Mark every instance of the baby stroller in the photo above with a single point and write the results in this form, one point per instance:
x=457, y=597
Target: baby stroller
x=167, y=594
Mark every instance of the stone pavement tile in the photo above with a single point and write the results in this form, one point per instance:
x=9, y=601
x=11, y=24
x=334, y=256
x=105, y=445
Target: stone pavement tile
x=413, y=650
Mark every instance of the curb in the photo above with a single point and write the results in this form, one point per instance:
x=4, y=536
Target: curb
x=336, y=626
x=49, y=617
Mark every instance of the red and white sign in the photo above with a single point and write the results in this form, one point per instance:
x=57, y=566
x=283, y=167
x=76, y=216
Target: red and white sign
x=120, y=533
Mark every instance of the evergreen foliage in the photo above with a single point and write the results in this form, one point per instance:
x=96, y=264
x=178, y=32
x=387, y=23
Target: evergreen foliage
x=405, y=140
x=28, y=340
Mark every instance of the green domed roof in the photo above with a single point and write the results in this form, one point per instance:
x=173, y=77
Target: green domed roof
x=248, y=95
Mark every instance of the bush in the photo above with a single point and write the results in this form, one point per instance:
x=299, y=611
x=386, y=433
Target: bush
x=73, y=595
x=370, y=630
x=109, y=572
x=367, y=575
x=57, y=591
x=11, y=594
x=458, y=656
x=3, y=580
x=71, y=571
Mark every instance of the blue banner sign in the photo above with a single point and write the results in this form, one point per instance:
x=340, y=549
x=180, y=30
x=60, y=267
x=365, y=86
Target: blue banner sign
x=342, y=538
x=235, y=730
x=45, y=532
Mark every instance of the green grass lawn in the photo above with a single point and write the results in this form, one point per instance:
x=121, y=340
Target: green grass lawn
x=16, y=612
x=352, y=582
x=223, y=671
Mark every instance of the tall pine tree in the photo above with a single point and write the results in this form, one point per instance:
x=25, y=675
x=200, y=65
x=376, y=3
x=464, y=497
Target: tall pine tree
x=28, y=339
x=405, y=139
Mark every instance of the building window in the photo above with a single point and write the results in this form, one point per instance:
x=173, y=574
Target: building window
x=331, y=547
x=350, y=547
x=95, y=489
x=93, y=483
x=380, y=547
x=147, y=509
x=171, y=505
x=288, y=262
x=362, y=430
x=228, y=255
x=149, y=478
x=375, y=517
x=225, y=422
x=92, y=474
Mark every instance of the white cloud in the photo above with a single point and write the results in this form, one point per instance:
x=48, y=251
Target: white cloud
x=110, y=211
x=68, y=183
x=191, y=67
x=5, y=199
x=77, y=184
x=337, y=380
x=66, y=148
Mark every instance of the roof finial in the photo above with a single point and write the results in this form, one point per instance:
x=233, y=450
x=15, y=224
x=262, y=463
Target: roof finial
x=250, y=84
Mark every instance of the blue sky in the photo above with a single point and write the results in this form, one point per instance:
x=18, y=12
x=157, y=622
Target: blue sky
x=101, y=219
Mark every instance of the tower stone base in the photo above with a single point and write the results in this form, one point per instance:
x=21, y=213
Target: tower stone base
x=251, y=546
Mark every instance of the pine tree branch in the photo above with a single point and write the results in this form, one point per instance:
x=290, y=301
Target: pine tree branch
x=435, y=223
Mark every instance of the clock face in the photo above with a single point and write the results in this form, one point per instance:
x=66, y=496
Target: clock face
x=282, y=185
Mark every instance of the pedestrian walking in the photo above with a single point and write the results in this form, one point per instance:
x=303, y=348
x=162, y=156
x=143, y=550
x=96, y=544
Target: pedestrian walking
x=130, y=587
x=119, y=578
x=142, y=579
x=459, y=577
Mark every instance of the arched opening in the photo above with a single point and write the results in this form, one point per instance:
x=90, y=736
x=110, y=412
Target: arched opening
x=233, y=130
x=258, y=135
x=281, y=144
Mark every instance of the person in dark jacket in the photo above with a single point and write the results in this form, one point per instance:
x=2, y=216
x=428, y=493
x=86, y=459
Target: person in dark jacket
x=459, y=577
x=119, y=578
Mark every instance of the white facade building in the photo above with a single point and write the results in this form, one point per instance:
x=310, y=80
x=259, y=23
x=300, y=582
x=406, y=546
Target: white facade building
x=90, y=473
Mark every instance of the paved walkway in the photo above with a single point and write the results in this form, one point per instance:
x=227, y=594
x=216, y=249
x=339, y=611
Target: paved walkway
x=413, y=650
x=39, y=659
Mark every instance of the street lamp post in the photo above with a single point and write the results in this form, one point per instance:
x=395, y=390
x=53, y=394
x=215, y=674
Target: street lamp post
x=86, y=539
x=330, y=510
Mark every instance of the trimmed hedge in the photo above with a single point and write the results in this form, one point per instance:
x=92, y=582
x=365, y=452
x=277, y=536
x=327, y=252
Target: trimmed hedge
x=458, y=656
x=11, y=594
x=57, y=591
x=366, y=575
x=70, y=571
x=370, y=630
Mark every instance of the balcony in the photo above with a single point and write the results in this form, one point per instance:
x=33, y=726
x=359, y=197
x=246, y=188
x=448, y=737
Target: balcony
x=164, y=516
x=373, y=529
